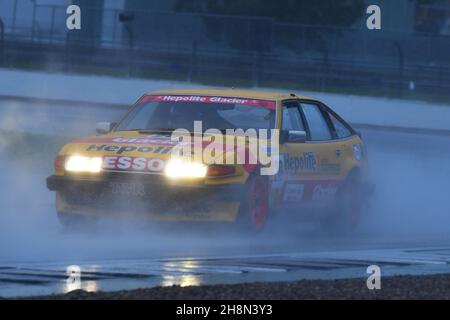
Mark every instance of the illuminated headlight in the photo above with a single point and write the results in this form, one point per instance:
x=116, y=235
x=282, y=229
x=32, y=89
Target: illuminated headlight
x=84, y=164
x=177, y=168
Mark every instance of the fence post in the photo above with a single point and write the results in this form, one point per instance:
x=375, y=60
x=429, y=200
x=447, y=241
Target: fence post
x=401, y=67
x=13, y=27
x=33, y=21
x=254, y=71
x=193, y=63
x=2, y=42
x=68, y=52
x=127, y=18
x=52, y=24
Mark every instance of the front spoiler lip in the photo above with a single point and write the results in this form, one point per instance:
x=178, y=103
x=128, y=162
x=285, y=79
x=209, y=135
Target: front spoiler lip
x=227, y=214
x=58, y=183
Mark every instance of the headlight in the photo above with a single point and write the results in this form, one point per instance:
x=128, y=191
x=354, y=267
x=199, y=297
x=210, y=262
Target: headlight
x=178, y=168
x=84, y=164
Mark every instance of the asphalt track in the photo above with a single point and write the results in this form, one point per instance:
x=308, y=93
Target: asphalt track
x=404, y=231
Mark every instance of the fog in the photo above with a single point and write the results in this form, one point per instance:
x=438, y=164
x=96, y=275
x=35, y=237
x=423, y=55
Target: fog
x=410, y=207
x=412, y=199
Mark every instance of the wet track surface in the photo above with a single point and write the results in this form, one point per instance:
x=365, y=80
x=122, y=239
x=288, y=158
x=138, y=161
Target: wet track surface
x=109, y=275
x=405, y=231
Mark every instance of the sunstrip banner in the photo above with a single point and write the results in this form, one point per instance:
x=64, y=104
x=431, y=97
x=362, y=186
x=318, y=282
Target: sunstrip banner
x=210, y=99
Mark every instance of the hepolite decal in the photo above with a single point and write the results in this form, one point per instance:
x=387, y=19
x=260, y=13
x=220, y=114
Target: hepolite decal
x=270, y=104
x=124, y=149
x=294, y=164
x=150, y=139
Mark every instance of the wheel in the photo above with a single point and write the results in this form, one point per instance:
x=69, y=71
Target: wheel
x=254, y=208
x=345, y=216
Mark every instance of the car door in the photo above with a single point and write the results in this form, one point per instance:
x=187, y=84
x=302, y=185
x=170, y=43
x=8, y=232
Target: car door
x=286, y=185
x=309, y=171
x=328, y=151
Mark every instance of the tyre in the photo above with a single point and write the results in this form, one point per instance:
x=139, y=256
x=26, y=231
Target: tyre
x=345, y=216
x=254, y=207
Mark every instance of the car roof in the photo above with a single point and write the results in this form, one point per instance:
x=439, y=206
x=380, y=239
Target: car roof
x=236, y=93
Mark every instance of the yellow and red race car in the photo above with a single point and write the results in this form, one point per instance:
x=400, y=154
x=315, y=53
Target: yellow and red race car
x=316, y=170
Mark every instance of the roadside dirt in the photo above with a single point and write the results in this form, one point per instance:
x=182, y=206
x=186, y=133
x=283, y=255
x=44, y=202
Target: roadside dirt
x=399, y=287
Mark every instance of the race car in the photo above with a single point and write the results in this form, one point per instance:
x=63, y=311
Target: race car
x=151, y=163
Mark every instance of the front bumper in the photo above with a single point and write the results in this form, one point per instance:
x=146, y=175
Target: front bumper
x=61, y=183
x=156, y=198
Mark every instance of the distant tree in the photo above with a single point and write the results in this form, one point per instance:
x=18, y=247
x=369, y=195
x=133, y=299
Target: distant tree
x=253, y=34
x=317, y=12
x=431, y=15
x=422, y=2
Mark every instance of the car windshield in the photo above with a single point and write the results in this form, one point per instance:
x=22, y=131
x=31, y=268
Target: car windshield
x=180, y=112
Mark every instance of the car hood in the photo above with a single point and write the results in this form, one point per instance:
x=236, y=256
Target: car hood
x=132, y=144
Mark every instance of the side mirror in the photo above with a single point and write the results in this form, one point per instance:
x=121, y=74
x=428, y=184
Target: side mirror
x=104, y=127
x=293, y=136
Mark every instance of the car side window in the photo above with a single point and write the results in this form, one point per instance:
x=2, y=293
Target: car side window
x=341, y=129
x=318, y=126
x=292, y=119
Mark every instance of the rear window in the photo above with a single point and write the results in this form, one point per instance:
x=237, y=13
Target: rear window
x=318, y=126
x=341, y=129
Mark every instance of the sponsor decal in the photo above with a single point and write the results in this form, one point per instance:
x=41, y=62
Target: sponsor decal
x=293, y=164
x=324, y=193
x=133, y=164
x=293, y=192
x=308, y=190
x=159, y=140
x=327, y=167
x=210, y=99
x=124, y=149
